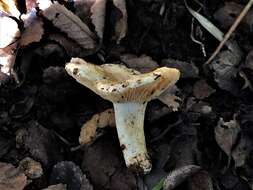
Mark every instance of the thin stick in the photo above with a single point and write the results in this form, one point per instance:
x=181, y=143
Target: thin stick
x=231, y=30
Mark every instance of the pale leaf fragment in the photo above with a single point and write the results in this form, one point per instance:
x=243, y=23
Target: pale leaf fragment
x=9, y=31
x=101, y=120
x=33, y=33
x=69, y=23
x=169, y=98
x=98, y=16
x=121, y=23
x=8, y=43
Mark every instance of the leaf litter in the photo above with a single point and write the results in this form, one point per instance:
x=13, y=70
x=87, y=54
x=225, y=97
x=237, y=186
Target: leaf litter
x=192, y=126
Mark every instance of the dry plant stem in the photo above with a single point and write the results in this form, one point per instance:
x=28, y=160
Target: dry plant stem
x=231, y=30
x=129, y=119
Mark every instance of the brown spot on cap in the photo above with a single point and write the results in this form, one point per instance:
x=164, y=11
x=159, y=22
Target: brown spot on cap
x=75, y=71
x=123, y=147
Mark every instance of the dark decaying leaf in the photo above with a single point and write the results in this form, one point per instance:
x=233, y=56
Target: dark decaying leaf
x=187, y=70
x=72, y=48
x=200, y=181
x=242, y=150
x=5, y=144
x=40, y=143
x=202, y=90
x=160, y=158
x=249, y=61
x=225, y=69
x=226, y=15
x=56, y=187
x=104, y=170
x=69, y=173
x=179, y=175
x=69, y=23
x=11, y=178
x=226, y=134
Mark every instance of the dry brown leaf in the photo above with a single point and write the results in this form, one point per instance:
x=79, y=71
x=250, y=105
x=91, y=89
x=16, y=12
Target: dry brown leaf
x=11, y=178
x=226, y=134
x=98, y=16
x=121, y=23
x=101, y=120
x=142, y=64
x=32, y=33
x=69, y=23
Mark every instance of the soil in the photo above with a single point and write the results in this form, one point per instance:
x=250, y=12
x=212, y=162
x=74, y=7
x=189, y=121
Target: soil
x=41, y=116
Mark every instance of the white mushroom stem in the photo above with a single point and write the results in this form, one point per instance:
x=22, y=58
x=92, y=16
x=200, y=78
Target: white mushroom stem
x=129, y=117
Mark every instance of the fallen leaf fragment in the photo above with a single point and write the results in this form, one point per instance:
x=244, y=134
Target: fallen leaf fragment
x=225, y=69
x=67, y=172
x=226, y=15
x=31, y=168
x=98, y=16
x=121, y=20
x=56, y=187
x=69, y=23
x=101, y=120
x=32, y=33
x=187, y=70
x=8, y=43
x=72, y=48
x=201, y=181
x=169, y=98
x=11, y=178
x=226, y=134
x=202, y=90
x=10, y=33
x=242, y=151
x=178, y=175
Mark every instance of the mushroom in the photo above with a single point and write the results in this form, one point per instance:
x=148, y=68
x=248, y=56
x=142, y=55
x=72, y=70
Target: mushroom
x=129, y=91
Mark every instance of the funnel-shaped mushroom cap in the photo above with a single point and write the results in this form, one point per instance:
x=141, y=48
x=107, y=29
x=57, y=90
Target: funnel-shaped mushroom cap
x=118, y=83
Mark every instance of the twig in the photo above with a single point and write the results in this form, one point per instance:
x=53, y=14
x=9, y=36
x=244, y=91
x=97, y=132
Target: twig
x=231, y=30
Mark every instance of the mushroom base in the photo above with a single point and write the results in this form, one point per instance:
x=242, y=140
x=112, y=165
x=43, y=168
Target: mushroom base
x=129, y=119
